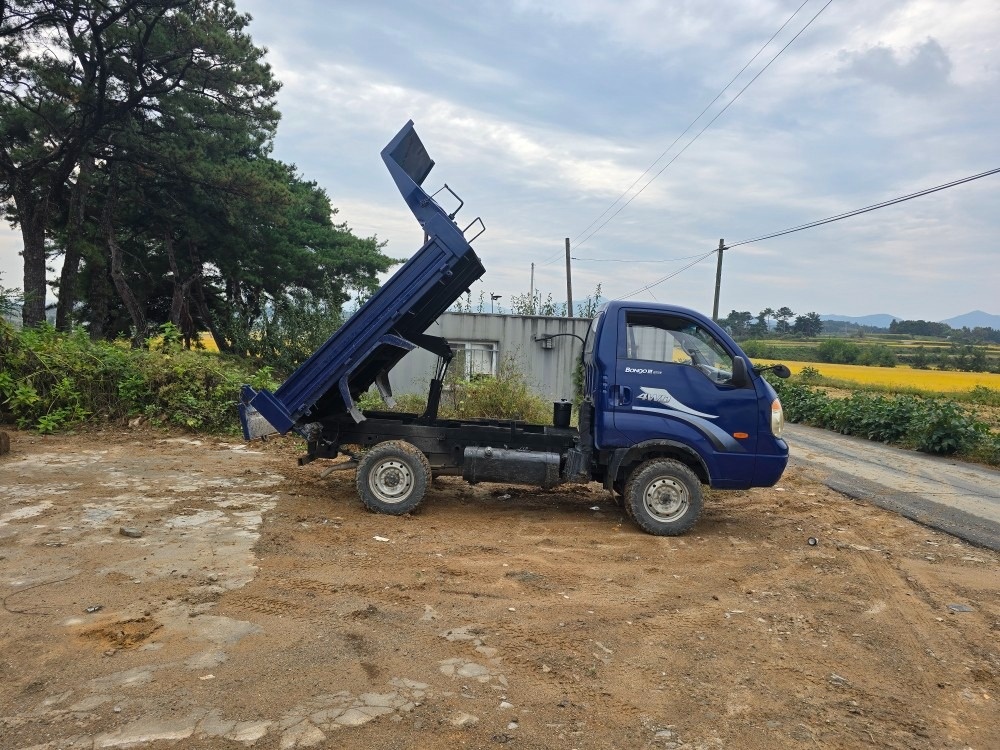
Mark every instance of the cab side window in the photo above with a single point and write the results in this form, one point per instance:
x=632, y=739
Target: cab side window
x=671, y=339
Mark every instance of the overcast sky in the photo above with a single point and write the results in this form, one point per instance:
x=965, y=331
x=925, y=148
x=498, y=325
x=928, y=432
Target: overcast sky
x=541, y=113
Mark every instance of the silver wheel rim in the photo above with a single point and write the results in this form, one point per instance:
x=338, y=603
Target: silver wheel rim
x=666, y=499
x=391, y=481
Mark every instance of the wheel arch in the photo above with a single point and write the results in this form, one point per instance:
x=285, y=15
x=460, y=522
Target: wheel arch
x=624, y=460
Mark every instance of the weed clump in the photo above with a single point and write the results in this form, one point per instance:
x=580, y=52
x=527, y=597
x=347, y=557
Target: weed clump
x=51, y=381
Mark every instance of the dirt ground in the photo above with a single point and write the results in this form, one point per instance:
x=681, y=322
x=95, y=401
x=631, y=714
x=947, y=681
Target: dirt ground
x=257, y=604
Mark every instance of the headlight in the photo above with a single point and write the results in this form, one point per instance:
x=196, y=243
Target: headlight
x=777, y=418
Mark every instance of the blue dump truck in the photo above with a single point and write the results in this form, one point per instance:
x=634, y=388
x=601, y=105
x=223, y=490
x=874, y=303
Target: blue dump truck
x=670, y=401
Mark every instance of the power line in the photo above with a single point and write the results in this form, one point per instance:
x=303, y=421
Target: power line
x=691, y=124
x=688, y=128
x=706, y=127
x=635, y=260
x=866, y=209
x=819, y=222
x=670, y=275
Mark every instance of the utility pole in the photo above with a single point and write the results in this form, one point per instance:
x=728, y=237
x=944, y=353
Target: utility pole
x=569, y=284
x=531, y=291
x=718, y=281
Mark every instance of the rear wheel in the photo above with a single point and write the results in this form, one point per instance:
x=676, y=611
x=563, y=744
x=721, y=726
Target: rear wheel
x=663, y=497
x=393, y=478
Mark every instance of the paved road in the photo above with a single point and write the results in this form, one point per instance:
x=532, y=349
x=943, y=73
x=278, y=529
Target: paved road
x=961, y=499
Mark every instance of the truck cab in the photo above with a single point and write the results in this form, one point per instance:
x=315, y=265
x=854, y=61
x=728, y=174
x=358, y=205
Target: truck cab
x=665, y=381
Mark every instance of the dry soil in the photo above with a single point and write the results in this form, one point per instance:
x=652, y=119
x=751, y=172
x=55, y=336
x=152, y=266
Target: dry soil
x=252, y=603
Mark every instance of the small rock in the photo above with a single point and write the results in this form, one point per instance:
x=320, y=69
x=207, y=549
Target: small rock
x=464, y=720
x=960, y=608
x=130, y=531
x=504, y=705
x=94, y=608
x=380, y=538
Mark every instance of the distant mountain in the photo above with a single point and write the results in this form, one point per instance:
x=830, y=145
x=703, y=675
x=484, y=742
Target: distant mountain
x=875, y=321
x=974, y=319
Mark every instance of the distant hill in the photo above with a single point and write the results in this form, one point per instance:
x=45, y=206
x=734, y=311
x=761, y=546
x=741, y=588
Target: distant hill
x=974, y=319
x=875, y=321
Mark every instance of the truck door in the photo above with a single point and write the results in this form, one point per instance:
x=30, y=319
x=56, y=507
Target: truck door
x=673, y=381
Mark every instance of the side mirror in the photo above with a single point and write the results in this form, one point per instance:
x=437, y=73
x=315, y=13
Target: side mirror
x=781, y=371
x=740, y=375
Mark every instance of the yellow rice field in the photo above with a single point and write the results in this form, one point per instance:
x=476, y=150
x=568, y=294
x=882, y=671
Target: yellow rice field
x=208, y=342
x=945, y=381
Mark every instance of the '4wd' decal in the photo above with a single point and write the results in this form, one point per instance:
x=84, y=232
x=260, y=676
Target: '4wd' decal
x=662, y=396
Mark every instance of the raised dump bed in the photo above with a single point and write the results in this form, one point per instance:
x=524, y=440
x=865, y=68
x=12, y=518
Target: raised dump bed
x=390, y=324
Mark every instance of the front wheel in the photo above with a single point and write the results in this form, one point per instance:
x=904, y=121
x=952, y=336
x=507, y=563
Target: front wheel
x=663, y=497
x=393, y=478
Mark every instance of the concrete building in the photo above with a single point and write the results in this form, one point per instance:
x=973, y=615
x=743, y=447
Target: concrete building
x=482, y=340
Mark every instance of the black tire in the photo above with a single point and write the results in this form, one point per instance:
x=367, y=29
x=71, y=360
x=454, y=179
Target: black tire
x=663, y=497
x=393, y=478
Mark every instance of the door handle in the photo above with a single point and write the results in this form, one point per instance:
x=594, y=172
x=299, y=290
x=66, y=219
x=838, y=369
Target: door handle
x=621, y=394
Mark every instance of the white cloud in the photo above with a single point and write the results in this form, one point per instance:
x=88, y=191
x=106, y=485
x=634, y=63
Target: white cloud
x=541, y=115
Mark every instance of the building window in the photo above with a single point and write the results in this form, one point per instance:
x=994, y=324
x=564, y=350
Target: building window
x=474, y=358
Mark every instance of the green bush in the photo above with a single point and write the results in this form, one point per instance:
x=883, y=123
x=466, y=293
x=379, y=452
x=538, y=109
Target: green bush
x=52, y=381
x=944, y=427
x=838, y=352
x=930, y=425
x=876, y=355
x=756, y=349
x=506, y=396
x=290, y=329
x=983, y=395
x=809, y=374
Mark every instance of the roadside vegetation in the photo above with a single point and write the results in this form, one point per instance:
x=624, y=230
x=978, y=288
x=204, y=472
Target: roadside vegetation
x=508, y=395
x=52, y=381
x=960, y=424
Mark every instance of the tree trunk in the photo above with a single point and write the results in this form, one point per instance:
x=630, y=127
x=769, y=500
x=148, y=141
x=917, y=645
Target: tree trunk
x=180, y=309
x=99, y=293
x=32, y=215
x=71, y=261
x=224, y=344
x=139, y=332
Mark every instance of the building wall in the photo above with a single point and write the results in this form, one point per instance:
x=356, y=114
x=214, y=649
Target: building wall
x=548, y=371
